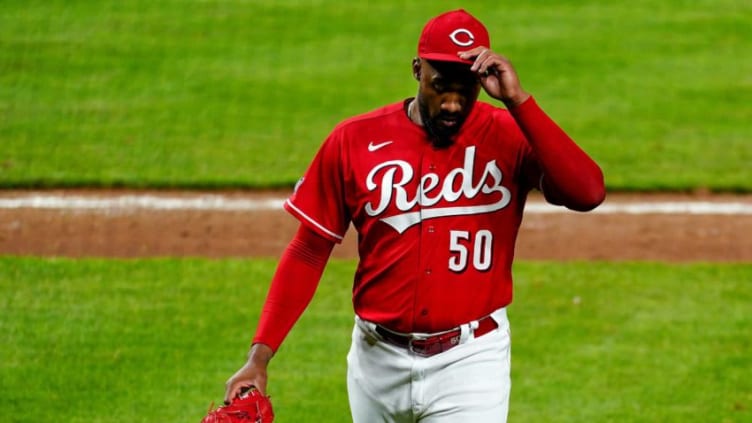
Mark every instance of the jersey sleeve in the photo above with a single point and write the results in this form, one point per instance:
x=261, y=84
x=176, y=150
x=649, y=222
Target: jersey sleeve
x=531, y=174
x=570, y=177
x=528, y=171
x=293, y=286
x=318, y=200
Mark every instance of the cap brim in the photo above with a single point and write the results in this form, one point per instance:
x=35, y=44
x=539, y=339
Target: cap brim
x=442, y=57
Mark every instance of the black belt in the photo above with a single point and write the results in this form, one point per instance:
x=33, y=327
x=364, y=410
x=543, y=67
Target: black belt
x=433, y=345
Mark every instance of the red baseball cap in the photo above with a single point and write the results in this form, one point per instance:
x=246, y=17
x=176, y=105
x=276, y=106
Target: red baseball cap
x=449, y=33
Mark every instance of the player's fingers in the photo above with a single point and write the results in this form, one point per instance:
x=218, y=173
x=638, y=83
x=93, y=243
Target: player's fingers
x=487, y=65
x=480, y=59
x=489, y=62
x=497, y=66
x=234, y=389
x=230, y=393
x=471, y=54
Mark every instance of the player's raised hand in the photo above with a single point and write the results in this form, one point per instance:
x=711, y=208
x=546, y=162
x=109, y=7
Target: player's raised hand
x=497, y=75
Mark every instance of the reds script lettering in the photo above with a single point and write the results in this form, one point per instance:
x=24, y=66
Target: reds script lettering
x=428, y=195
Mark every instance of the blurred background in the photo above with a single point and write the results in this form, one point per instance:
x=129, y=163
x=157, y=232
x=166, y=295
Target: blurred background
x=241, y=93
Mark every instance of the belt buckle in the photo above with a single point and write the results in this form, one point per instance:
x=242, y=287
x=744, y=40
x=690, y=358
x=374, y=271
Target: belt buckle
x=423, y=351
x=434, y=344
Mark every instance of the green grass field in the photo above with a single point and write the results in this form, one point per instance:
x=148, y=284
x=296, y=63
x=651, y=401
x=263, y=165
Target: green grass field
x=216, y=93
x=154, y=341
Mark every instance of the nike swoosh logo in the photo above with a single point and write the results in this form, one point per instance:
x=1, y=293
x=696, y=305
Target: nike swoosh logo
x=373, y=147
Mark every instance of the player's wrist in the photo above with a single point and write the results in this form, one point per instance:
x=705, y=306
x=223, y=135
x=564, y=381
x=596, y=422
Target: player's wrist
x=516, y=99
x=260, y=354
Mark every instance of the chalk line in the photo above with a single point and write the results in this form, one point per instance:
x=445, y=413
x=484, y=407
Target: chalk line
x=132, y=202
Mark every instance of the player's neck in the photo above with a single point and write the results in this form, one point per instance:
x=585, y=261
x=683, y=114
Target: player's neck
x=412, y=112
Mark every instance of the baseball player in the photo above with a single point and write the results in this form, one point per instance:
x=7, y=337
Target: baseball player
x=435, y=187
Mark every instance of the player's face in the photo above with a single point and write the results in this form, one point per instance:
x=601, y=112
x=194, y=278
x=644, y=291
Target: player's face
x=446, y=95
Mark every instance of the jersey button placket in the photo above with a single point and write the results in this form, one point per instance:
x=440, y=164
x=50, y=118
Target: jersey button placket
x=427, y=242
x=430, y=230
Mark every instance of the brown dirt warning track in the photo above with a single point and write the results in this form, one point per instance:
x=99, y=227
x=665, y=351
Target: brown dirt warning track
x=128, y=224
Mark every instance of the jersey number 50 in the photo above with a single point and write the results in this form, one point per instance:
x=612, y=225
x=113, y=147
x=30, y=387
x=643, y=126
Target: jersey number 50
x=462, y=245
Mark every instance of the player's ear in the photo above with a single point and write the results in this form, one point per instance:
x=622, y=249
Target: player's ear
x=416, y=68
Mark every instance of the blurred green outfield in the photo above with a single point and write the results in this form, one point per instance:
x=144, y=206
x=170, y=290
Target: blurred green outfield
x=154, y=340
x=203, y=94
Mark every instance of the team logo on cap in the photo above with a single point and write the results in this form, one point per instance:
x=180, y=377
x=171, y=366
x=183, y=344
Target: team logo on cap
x=462, y=37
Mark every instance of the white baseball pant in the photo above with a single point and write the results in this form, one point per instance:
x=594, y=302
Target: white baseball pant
x=467, y=383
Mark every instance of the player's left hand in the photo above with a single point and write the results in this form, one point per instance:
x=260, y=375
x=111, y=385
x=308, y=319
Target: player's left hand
x=250, y=407
x=497, y=75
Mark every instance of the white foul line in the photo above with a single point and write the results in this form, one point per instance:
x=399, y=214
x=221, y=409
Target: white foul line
x=662, y=207
x=131, y=202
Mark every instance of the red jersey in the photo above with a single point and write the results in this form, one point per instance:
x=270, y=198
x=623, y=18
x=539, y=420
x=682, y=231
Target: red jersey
x=436, y=225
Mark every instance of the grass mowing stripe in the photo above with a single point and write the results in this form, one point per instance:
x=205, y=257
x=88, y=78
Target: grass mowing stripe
x=154, y=340
x=213, y=94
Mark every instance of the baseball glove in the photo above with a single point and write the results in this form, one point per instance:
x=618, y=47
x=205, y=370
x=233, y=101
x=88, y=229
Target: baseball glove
x=249, y=407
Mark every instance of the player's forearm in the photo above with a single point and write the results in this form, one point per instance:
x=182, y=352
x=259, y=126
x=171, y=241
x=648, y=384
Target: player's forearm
x=572, y=178
x=293, y=286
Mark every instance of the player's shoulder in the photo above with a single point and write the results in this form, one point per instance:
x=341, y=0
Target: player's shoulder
x=494, y=118
x=495, y=113
x=491, y=119
x=369, y=124
x=373, y=118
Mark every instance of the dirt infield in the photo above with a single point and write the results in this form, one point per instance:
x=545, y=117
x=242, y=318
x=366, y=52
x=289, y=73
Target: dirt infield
x=148, y=232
